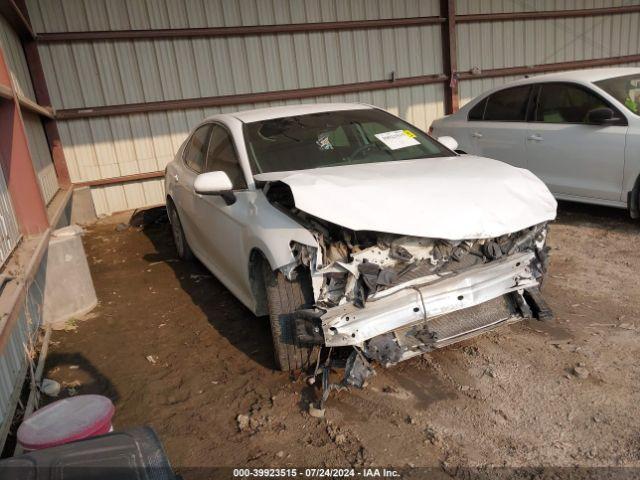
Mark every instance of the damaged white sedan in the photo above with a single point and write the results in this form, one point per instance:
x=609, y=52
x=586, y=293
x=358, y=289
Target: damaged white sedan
x=352, y=228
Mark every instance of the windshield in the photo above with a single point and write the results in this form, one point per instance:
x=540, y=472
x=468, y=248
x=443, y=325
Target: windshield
x=335, y=138
x=624, y=89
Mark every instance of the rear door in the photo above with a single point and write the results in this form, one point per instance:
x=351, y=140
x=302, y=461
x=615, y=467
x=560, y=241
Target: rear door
x=498, y=125
x=575, y=158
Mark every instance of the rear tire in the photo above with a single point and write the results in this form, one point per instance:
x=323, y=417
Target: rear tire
x=179, y=238
x=283, y=298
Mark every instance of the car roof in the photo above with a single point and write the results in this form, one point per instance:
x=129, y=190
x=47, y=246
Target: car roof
x=249, y=116
x=589, y=75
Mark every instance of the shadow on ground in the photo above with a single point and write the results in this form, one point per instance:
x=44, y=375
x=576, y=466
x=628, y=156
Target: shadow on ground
x=225, y=313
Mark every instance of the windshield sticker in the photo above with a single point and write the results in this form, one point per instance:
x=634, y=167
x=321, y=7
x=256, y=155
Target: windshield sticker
x=323, y=142
x=397, y=139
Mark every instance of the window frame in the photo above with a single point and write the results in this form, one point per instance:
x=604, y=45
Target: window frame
x=486, y=99
x=235, y=152
x=538, y=91
x=187, y=147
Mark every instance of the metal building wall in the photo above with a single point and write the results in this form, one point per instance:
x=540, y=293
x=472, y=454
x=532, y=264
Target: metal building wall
x=14, y=356
x=40, y=155
x=10, y=45
x=489, y=45
x=14, y=56
x=85, y=74
x=90, y=74
x=9, y=232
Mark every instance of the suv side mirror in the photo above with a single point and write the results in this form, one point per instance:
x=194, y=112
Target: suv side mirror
x=449, y=142
x=215, y=183
x=602, y=116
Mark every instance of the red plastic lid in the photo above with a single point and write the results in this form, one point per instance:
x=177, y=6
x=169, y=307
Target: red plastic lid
x=66, y=420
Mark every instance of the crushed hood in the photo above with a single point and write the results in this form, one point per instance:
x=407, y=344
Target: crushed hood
x=455, y=198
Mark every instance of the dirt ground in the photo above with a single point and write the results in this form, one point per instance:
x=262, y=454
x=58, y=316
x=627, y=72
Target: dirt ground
x=175, y=350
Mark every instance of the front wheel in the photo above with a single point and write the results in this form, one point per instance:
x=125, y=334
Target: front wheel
x=179, y=238
x=284, y=297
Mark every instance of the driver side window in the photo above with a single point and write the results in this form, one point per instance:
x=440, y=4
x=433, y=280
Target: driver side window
x=222, y=157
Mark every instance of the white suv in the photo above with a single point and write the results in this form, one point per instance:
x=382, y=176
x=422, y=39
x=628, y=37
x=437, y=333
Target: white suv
x=578, y=131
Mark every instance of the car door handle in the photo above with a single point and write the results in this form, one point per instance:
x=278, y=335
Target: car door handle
x=476, y=135
x=535, y=137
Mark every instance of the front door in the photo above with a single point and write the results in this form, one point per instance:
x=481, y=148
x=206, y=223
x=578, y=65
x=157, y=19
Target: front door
x=575, y=158
x=220, y=221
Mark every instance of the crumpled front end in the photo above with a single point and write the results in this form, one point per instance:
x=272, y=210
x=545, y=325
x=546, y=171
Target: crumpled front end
x=394, y=297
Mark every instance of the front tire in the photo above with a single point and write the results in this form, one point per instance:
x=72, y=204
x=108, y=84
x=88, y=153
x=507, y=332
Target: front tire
x=179, y=238
x=283, y=298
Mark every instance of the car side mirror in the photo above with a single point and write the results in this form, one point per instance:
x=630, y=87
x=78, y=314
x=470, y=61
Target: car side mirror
x=602, y=116
x=215, y=183
x=449, y=142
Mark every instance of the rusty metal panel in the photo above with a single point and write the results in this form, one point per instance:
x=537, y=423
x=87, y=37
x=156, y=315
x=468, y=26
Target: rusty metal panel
x=40, y=155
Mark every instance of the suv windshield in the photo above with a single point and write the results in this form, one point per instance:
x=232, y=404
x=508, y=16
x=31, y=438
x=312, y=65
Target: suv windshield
x=335, y=138
x=624, y=89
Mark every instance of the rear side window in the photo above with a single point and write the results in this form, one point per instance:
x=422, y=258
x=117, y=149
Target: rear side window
x=565, y=103
x=477, y=112
x=222, y=157
x=509, y=105
x=196, y=150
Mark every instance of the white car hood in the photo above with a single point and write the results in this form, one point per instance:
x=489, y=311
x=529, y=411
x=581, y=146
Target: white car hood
x=455, y=198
